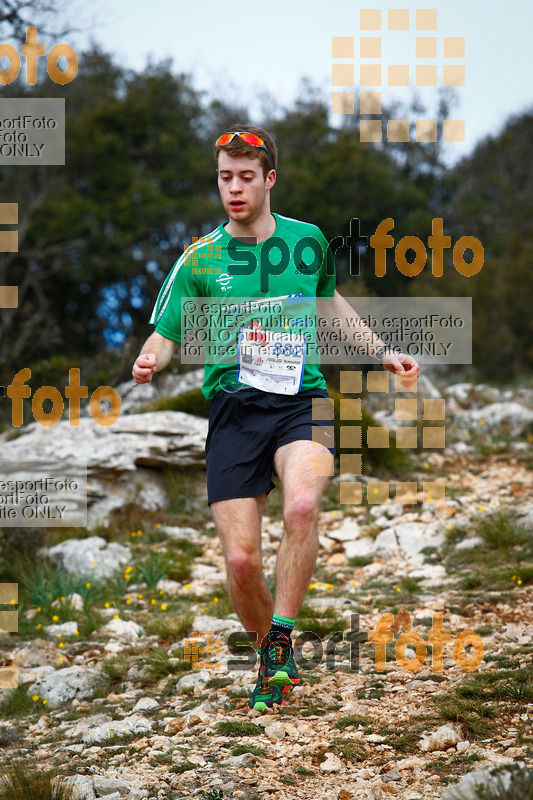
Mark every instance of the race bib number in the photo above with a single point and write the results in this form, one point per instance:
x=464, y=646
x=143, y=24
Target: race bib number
x=271, y=360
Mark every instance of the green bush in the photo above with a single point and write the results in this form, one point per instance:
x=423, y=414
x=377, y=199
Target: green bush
x=192, y=402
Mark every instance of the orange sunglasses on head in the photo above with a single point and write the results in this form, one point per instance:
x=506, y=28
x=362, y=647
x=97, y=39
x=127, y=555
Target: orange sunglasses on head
x=249, y=138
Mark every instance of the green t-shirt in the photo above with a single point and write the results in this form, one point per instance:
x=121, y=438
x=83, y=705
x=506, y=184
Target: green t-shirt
x=292, y=268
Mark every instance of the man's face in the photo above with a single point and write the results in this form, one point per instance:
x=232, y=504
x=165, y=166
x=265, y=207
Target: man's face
x=242, y=187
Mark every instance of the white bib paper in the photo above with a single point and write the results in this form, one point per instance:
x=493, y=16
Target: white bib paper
x=272, y=361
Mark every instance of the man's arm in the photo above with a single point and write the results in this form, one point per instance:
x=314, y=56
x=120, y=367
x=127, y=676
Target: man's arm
x=154, y=356
x=364, y=338
x=360, y=334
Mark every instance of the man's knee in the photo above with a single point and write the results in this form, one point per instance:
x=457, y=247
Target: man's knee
x=301, y=507
x=243, y=564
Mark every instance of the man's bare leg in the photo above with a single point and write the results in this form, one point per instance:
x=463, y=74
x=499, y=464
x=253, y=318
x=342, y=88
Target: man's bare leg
x=298, y=548
x=238, y=523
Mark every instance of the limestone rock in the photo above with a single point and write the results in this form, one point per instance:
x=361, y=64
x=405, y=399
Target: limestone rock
x=81, y=726
x=204, y=623
x=145, y=704
x=510, y=417
x=444, y=737
x=196, y=679
x=122, y=628
x=121, y=727
x=37, y=653
x=106, y=786
x=134, y=397
x=175, y=725
x=65, y=684
x=276, y=731
x=92, y=557
x=122, y=460
x=469, y=785
x=331, y=764
x=63, y=628
x=348, y=531
x=81, y=786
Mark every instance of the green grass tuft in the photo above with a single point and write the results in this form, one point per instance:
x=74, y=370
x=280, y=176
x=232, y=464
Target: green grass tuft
x=237, y=728
x=353, y=720
x=22, y=780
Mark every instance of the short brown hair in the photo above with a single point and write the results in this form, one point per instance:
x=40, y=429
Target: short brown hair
x=237, y=147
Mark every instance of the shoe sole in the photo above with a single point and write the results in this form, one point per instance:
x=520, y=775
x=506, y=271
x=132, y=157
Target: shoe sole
x=260, y=705
x=281, y=678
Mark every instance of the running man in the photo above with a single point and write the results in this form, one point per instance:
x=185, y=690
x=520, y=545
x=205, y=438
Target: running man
x=263, y=409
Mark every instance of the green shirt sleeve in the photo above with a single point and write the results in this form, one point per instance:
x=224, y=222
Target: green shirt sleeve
x=180, y=282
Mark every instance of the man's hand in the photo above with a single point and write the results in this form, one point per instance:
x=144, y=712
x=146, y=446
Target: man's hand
x=144, y=368
x=402, y=364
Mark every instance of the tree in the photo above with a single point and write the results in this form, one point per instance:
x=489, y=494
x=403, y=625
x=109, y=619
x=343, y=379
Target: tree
x=134, y=189
x=489, y=195
x=17, y=15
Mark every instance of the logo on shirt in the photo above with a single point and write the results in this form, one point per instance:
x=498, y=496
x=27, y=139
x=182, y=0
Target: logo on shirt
x=223, y=281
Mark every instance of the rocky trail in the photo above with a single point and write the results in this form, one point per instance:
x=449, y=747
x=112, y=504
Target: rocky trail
x=113, y=698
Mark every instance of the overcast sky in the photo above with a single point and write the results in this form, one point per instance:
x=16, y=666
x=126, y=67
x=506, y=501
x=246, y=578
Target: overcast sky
x=237, y=49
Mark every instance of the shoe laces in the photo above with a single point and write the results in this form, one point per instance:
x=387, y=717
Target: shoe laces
x=282, y=648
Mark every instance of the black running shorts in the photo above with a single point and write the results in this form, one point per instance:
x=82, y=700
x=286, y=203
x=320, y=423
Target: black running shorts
x=245, y=430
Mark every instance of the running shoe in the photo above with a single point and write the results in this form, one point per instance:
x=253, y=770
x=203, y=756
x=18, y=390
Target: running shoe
x=278, y=659
x=264, y=695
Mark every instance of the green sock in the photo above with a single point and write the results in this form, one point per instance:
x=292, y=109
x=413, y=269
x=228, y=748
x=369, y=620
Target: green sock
x=282, y=624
